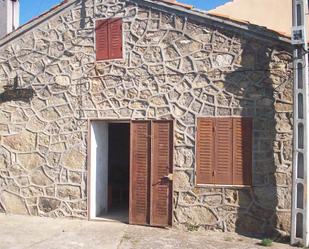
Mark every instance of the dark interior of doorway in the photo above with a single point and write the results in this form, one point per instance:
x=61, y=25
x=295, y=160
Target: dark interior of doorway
x=118, y=171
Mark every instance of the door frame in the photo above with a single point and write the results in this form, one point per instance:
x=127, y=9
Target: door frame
x=88, y=164
x=88, y=157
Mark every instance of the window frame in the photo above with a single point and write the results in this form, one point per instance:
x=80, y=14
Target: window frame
x=122, y=42
x=209, y=185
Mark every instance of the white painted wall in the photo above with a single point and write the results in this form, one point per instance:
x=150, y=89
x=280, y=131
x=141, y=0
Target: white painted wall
x=99, y=169
x=9, y=16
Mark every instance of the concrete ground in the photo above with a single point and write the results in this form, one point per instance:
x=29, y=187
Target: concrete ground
x=23, y=232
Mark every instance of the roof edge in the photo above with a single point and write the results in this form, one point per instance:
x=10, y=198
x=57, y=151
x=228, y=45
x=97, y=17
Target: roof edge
x=174, y=2
x=282, y=34
x=222, y=5
x=166, y=6
x=221, y=21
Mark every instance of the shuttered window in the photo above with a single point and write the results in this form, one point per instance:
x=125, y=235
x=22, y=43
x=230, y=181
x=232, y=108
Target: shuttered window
x=109, y=39
x=224, y=151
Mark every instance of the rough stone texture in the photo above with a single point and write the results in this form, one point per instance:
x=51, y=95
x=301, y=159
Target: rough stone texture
x=173, y=69
x=13, y=204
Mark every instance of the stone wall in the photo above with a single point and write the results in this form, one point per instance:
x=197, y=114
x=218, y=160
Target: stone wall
x=174, y=68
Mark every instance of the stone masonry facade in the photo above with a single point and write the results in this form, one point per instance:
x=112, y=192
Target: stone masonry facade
x=173, y=68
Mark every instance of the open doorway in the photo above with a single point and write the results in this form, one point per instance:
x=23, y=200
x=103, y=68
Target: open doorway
x=118, y=168
x=109, y=173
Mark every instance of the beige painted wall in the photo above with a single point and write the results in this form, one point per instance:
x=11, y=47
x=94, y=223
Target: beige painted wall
x=273, y=14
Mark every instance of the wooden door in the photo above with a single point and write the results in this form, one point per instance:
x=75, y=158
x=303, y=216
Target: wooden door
x=161, y=174
x=139, y=173
x=151, y=173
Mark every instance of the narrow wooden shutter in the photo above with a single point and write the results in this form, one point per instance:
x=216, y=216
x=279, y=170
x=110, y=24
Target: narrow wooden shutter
x=224, y=151
x=139, y=173
x=205, y=151
x=162, y=166
x=102, y=43
x=242, y=151
x=115, y=38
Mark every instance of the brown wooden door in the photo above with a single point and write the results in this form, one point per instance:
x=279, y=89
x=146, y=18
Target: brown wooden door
x=151, y=164
x=139, y=173
x=162, y=167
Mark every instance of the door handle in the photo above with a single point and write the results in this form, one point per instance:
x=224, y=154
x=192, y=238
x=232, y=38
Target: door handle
x=169, y=177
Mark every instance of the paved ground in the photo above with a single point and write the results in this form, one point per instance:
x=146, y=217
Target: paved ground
x=22, y=232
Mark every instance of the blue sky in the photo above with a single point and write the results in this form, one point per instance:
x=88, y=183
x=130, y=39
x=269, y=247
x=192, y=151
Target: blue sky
x=33, y=8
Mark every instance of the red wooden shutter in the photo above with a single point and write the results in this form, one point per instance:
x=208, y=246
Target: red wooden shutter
x=139, y=173
x=224, y=151
x=205, y=151
x=162, y=166
x=242, y=151
x=102, y=50
x=115, y=38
